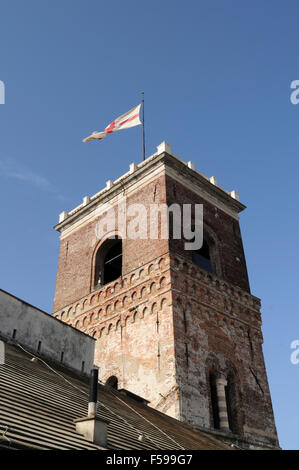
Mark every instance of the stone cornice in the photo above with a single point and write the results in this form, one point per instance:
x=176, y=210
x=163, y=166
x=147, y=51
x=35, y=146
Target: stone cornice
x=161, y=161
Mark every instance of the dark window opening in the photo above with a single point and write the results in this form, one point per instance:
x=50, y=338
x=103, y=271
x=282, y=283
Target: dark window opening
x=214, y=402
x=202, y=258
x=108, y=262
x=112, y=382
x=112, y=263
x=231, y=405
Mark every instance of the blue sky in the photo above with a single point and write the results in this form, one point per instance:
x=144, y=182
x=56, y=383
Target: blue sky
x=216, y=76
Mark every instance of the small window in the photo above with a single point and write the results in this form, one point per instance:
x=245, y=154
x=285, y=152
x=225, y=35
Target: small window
x=231, y=404
x=112, y=382
x=108, y=266
x=202, y=257
x=214, y=402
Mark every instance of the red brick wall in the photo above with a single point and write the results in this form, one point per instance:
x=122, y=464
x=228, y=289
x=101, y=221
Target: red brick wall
x=75, y=268
x=218, y=319
x=224, y=228
x=139, y=321
x=133, y=322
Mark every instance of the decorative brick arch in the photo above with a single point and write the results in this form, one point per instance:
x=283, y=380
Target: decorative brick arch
x=215, y=247
x=114, y=233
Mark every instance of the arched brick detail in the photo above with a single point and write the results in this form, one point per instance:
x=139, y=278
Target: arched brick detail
x=144, y=312
x=77, y=308
x=92, y=317
x=101, y=332
x=153, y=288
x=108, y=309
x=154, y=308
x=162, y=282
x=150, y=269
x=141, y=274
x=134, y=296
x=99, y=313
x=143, y=292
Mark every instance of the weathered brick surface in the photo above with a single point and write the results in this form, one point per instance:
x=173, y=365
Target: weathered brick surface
x=166, y=324
x=133, y=322
x=222, y=228
x=222, y=331
x=76, y=259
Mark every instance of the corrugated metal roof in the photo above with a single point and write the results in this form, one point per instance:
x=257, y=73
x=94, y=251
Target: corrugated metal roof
x=38, y=405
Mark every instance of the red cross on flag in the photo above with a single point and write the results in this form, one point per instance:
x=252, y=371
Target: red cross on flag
x=129, y=119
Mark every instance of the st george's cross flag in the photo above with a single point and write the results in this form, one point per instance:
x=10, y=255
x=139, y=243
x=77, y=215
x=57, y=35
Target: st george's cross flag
x=127, y=120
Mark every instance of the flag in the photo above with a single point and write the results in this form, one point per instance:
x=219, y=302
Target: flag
x=129, y=119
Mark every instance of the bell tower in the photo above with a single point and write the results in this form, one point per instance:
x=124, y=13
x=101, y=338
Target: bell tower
x=177, y=327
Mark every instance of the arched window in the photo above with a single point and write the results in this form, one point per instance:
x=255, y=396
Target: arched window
x=214, y=401
x=112, y=382
x=204, y=256
x=108, y=265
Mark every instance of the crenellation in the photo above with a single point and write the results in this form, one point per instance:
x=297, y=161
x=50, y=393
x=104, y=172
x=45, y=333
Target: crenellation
x=162, y=149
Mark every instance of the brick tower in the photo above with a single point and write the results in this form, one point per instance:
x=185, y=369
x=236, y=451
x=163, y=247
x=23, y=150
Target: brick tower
x=179, y=328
